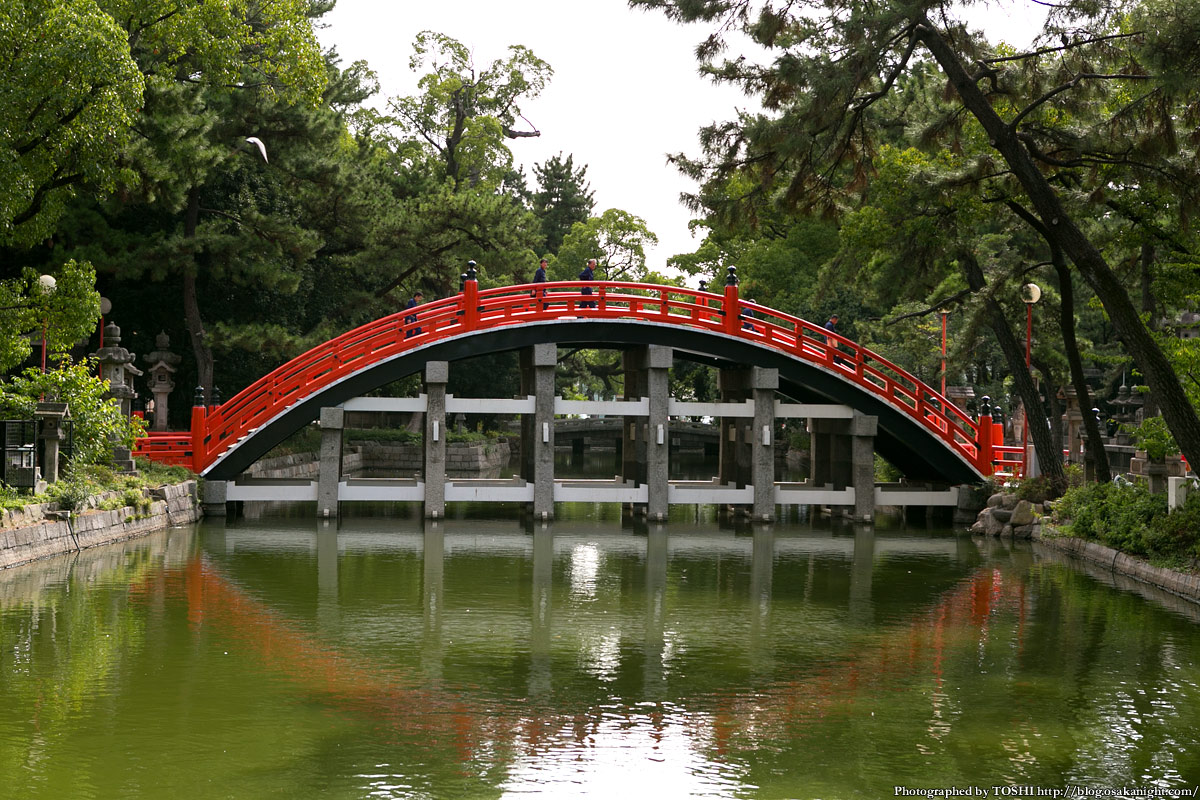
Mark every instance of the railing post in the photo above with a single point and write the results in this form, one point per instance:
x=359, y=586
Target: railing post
x=984, y=436
x=199, y=413
x=733, y=307
x=471, y=298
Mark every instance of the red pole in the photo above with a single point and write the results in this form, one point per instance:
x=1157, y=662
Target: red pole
x=732, y=305
x=199, y=412
x=470, y=299
x=984, y=436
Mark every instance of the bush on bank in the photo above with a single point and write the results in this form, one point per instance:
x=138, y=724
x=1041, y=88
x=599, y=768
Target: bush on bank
x=87, y=480
x=1134, y=521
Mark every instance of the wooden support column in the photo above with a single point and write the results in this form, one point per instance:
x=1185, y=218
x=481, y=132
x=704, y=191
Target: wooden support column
x=437, y=373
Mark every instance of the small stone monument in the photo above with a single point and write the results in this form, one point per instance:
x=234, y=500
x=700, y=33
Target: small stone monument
x=162, y=364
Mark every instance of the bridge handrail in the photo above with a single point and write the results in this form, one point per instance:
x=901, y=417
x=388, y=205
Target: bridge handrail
x=475, y=309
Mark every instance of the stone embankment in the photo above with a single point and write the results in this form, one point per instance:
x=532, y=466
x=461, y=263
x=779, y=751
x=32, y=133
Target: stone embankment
x=1006, y=515
x=39, y=531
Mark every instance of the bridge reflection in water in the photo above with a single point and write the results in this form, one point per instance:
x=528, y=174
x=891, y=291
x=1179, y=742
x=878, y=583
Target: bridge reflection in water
x=479, y=657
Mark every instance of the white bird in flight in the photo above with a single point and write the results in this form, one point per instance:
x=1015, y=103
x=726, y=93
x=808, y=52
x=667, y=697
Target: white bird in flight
x=262, y=148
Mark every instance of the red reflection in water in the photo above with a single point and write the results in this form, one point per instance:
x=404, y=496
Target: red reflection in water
x=409, y=710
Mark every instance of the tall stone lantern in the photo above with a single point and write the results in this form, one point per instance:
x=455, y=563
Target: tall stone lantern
x=162, y=363
x=116, y=367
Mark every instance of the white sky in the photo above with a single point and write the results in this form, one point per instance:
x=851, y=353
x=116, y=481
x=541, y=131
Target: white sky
x=624, y=94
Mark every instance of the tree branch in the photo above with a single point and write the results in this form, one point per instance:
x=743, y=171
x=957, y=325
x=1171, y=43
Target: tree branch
x=1073, y=45
x=1071, y=84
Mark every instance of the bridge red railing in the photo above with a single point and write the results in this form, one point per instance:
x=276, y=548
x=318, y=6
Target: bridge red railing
x=215, y=430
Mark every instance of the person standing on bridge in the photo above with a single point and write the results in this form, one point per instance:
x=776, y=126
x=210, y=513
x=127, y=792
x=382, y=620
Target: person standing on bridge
x=540, y=277
x=588, y=274
x=411, y=318
x=831, y=326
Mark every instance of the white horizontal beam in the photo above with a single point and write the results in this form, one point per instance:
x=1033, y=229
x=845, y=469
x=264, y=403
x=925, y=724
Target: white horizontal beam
x=687, y=408
x=599, y=492
x=376, y=490
x=813, y=497
x=420, y=403
x=629, y=408
x=275, y=491
x=916, y=497
x=489, y=492
x=484, y=405
x=812, y=411
x=712, y=493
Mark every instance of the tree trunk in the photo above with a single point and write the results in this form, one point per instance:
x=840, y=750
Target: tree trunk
x=191, y=304
x=1093, y=442
x=1063, y=232
x=1049, y=459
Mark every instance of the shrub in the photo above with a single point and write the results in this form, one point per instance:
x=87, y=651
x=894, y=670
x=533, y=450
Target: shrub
x=1154, y=437
x=1120, y=517
x=98, y=421
x=1174, y=538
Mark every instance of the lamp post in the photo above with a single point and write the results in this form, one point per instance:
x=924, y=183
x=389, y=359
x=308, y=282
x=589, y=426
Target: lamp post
x=47, y=284
x=105, y=310
x=1030, y=294
x=944, y=313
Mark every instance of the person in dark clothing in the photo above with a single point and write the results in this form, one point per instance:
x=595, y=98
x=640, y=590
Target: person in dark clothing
x=539, y=276
x=409, y=319
x=588, y=274
x=831, y=326
x=747, y=314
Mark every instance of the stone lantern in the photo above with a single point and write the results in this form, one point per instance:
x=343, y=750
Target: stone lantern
x=52, y=416
x=116, y=367
x=162, y=363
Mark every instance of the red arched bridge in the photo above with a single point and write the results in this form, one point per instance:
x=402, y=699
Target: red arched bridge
x=920, y=431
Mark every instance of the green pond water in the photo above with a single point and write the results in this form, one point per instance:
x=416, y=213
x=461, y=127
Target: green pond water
x=279, y=657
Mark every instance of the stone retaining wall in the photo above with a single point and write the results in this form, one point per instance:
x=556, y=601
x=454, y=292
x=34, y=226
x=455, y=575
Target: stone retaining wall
x=1178, y=583
x=33, y=539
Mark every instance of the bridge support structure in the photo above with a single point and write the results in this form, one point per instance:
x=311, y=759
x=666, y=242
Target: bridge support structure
x=537, y=430
x=329, y=473
x=747, y=454
x=843, y=456
x=646, y=439
x=437, y=374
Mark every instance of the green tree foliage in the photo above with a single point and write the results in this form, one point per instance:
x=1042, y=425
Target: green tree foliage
x=72, y=92
x=65, y=314
x=1103, y=91
x=564, y=197
x=98, y=421
x=464, y=114
x=616, y=239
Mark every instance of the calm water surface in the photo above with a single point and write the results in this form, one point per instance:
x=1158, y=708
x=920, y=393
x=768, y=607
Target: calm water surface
x=477, y=657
